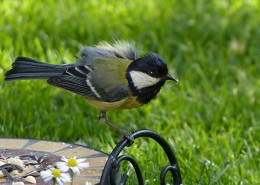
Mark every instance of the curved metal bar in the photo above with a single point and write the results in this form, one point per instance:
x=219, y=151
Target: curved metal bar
x=123, y=179
x=112, y=159
x=164, y=171
x=136, y=167
x=167, y=149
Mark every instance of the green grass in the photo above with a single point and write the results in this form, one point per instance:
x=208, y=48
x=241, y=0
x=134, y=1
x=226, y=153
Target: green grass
x=211, y=118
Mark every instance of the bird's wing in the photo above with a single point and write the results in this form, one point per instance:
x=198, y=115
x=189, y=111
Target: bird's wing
x=103, y=79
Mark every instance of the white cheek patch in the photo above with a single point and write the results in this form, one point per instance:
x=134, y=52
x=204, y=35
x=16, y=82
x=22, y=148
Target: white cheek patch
x=142, y=80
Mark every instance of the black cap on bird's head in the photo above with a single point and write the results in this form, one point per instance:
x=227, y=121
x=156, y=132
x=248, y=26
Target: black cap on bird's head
x=147, y=75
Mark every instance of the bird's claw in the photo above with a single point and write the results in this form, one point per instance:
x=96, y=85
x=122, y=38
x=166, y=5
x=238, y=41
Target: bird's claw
x=129, y=137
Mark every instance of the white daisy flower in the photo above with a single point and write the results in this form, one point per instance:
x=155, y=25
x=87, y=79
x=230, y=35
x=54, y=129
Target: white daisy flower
x=56, y=175
x=75, y=165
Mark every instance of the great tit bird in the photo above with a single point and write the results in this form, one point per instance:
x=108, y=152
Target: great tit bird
x=109, y=76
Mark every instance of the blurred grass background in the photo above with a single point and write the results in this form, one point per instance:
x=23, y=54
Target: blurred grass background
x=211, y=118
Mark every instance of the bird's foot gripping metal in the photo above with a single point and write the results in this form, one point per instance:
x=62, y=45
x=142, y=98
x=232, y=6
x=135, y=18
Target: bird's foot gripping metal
x=111, y=174
x=127, y=135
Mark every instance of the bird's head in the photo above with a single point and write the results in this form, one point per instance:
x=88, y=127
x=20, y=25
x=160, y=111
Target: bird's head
x=146, y=76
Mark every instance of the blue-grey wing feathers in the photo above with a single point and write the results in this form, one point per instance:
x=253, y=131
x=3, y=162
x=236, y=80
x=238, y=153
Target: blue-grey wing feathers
x=80, y=77
x=81, y=80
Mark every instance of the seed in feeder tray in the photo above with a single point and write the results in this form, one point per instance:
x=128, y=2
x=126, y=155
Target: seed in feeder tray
x=1, y=174
x=17, y=183
x=30, y=179
x=16, y=161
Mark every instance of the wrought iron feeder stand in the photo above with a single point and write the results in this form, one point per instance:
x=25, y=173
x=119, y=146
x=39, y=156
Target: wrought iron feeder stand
x=109, y=175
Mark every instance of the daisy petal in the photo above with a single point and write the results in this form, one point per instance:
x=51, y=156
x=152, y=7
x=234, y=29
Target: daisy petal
x=65, y=177
x=81, y=160
x=62, y=166
x=75, y=170
x=83, y=165
x=59, y=182
x=64, y=159
x=46, y=175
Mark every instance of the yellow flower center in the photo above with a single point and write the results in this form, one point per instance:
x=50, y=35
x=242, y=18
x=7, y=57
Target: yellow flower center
x=72, y=162
x=56, y=173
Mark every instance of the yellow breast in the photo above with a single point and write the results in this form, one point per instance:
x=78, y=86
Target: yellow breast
x=127, y=103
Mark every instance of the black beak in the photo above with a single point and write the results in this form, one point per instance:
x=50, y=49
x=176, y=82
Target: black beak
x=170, y=77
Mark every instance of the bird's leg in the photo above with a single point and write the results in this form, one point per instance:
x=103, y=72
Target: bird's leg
x=127, y=135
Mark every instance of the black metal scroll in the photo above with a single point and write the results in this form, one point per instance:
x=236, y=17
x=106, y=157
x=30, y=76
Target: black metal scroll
x=110, y=175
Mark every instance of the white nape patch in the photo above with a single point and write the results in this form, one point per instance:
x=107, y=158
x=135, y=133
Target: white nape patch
x=142, y=80
x=92, y=88
x=123, y=48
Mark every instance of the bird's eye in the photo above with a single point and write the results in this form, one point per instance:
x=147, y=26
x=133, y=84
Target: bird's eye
x=151, y=73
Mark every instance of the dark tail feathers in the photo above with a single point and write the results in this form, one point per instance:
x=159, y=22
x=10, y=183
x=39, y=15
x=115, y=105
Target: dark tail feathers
x=27, y=68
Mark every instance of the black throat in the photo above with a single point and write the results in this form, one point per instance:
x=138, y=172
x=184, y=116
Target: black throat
x=144, y=95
